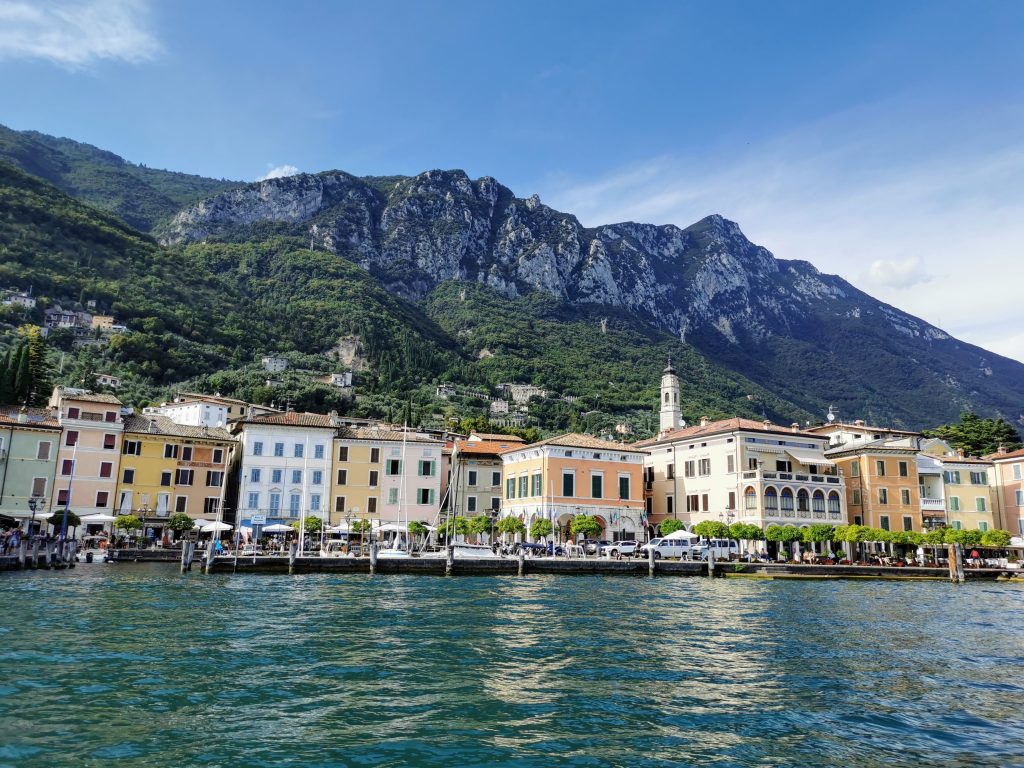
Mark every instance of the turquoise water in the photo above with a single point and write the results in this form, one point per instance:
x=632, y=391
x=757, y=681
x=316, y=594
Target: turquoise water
x=138, y=665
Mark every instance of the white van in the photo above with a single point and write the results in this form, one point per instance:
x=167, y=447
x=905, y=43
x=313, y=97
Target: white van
x=720, y=548
x=662, y=547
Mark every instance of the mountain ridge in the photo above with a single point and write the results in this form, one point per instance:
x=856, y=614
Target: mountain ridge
x=813, y=339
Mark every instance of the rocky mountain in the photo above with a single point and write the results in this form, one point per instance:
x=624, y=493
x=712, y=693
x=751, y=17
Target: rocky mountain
x=813, y=339
x=138, y=195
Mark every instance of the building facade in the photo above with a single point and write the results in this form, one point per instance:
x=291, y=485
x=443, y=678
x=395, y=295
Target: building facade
x=29, y=442
x=168, y=468
x=285, y=467
x=476, y=473
x=562, y=477
x=740, y=470
x=971, y=495
x=89, y=451
x=1008, y=468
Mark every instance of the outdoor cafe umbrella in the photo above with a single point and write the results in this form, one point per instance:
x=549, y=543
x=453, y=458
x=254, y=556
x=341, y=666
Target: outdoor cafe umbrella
x=213, y=525
x=97, y=519
x=278, y=528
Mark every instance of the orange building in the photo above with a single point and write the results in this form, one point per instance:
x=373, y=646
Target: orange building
x=1009, y=479
x=562, y=477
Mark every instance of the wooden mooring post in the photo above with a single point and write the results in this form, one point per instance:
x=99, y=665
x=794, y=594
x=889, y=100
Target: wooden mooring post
x=522, y=562
x=35, y=552
x=651, y=562
x=22, y=553
x=293, y=552
x=373, y=558
x=187, y=551
x=449, y=560
x=956, y=564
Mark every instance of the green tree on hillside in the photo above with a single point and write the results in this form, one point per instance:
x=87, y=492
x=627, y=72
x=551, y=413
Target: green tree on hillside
x=976, y=436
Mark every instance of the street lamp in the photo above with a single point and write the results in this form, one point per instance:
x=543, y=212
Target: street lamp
x=32, y=502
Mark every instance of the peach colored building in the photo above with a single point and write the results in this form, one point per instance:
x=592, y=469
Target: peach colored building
x=89, y=452
x=569, y=475
x=1009, y=479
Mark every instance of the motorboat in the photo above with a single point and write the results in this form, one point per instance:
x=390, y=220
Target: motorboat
x=464, y=551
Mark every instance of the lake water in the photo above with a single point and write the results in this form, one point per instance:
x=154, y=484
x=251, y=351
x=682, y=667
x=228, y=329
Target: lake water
x=138, y=665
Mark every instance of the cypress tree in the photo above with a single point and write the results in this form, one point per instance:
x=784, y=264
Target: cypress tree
x=39, y=370
x=22, y=374
x=6, y=379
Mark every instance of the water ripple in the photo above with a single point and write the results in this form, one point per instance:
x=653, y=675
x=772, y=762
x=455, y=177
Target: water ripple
x=138, y=665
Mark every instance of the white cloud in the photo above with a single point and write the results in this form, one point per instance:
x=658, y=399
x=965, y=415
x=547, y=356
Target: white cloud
x=926, y=214
x=279, y=172
x=888, y=273
x=76, y=34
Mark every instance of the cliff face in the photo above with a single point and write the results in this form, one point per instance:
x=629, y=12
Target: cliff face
x=418, y=232
x=782, y=323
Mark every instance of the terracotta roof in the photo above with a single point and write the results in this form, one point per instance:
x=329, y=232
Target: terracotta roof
x=724, y=425
x=384, y=435
x=194, y=396
x=35, y=417
x=292, y=419
x=865, y=427
x=136, y=424
x=963, y=460
x=498, y=438
x=487, y=447
x=91, y=397
x=573, y=440
x=1018, y=454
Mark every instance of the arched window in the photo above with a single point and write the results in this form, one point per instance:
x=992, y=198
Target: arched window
x=750, y=498
x=818, y=501
x=771, y=500
x=833, y=502
x=666, y=398
x=803, y=500
x=787, y=500
x=675, y=397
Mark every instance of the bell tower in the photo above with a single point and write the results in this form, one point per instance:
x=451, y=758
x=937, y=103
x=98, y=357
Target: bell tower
x=670, y=415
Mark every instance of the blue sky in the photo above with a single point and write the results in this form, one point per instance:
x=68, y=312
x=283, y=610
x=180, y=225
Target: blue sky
x=880, y=141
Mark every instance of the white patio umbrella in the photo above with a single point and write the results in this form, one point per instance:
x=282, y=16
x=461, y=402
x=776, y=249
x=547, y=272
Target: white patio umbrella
x=213, y=525
x=681, y=534
x=278, y=528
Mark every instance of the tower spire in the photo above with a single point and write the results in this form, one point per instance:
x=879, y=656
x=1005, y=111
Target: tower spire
x=670, y=408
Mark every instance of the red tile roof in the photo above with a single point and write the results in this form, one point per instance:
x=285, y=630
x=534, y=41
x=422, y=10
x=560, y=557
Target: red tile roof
x=488, y=447
x=292, y=419
x=34, y=417
x=723, y=425
x=573, y=440
x=1018, y=454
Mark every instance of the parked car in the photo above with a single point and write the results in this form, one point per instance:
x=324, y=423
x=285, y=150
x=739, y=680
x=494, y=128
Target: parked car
x=680, y=548
x=593, y=546
x=720, y=548
x=624, y=547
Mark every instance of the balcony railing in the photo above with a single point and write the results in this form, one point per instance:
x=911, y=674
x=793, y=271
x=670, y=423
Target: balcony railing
x=792, y=514
x=758, y=474
x=938, y=505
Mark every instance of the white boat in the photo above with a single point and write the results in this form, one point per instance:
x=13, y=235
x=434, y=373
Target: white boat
x=464, y=551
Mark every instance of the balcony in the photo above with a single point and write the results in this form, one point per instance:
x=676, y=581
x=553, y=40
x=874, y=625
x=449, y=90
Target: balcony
x=760, y=475
x=794, y=516
x=933, y=505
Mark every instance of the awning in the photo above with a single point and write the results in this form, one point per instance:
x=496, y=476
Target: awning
x=807, y=456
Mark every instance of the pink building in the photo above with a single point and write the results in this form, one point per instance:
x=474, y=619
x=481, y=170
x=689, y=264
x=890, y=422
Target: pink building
x=90, y=450
x=1010, y=484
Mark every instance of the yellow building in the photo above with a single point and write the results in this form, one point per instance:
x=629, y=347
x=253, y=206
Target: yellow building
x=167, y=468
x=971, y=495
x=384, y=474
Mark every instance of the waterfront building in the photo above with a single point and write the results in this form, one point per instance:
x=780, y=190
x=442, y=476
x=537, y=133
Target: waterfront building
x=386, y=474
x=971, y=495
x=168, y=468
x=285, y=466
x=569, y=475
x=89, y=451
x=741, y=470
x=29, y=440
x=476, y=473
x=1008, y=471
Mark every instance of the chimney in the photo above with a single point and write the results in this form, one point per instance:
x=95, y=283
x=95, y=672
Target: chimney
x=152, y=426
x=767, y=424
x=704, y=421
x=794, y=427
x=22, y=415
x=858, y=423
x=960, y=452
x=1001, y=450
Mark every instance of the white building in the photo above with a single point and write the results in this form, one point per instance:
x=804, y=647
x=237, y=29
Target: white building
x=285, y=466
x=521, y=393
x=108, y=380
x=274, y=364
x=194, y=413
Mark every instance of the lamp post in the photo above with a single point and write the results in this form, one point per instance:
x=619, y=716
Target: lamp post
x=33, y=501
